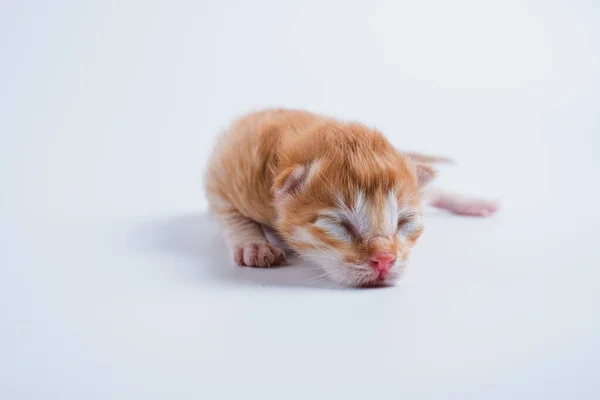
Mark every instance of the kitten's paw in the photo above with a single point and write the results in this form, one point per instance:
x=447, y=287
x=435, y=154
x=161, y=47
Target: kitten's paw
x=259, y=254
x=472, y=207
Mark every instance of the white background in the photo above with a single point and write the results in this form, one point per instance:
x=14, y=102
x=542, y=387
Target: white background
x=115, y=284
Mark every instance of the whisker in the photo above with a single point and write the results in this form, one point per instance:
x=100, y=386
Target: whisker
x=323, y=256
x=316, y=278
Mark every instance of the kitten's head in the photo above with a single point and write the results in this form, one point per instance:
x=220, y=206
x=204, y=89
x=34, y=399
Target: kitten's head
x=353, y=205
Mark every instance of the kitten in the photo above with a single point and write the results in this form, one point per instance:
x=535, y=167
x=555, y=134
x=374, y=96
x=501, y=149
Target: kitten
x=338, y=194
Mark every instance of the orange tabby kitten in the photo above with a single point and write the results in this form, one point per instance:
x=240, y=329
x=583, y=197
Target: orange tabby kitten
x=338, y=193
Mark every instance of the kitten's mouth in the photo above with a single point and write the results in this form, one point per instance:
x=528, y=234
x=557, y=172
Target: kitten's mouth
x=380, y=280
x=360, y=277
x=377, y=281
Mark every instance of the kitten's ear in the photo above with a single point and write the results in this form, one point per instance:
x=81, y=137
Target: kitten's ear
x=425, y=174
x=289, y=181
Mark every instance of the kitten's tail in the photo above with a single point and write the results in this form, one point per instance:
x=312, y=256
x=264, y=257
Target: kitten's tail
x=429, y=159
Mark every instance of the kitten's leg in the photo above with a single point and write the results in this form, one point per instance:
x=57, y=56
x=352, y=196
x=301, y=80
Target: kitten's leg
x=462, y=205
x=247, y=240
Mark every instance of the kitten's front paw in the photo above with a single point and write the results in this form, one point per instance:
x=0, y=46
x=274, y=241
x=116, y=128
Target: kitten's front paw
x=259, y=254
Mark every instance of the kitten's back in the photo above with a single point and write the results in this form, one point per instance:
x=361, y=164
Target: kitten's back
x=245, y=159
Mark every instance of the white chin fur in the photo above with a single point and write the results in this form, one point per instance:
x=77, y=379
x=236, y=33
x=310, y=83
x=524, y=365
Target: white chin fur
x=358, y=276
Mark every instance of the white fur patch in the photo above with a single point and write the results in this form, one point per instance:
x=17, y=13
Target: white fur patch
x=390, y=214
x=359, y=214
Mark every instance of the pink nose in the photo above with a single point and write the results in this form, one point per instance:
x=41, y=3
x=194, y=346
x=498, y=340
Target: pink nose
x=382, y=262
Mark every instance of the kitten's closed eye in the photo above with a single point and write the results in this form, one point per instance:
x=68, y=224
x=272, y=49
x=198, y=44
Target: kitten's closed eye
x=408, y=223
x=350, y=229
x=402, y=222
x=337, y=228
